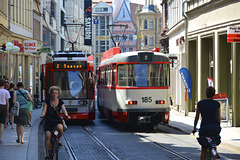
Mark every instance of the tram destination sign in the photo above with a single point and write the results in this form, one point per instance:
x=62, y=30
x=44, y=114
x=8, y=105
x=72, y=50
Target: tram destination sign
x=233, y=34
x=70, y=65
x=145, y=57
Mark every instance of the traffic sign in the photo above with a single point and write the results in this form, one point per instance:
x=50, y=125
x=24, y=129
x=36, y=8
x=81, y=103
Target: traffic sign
x=95, y=21
x=233, y=34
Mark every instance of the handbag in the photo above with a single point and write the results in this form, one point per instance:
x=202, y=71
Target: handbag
x=63, y=121
x=15, y=109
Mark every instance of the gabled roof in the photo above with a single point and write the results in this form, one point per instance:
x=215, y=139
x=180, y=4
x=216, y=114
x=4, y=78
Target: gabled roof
x=94, y=2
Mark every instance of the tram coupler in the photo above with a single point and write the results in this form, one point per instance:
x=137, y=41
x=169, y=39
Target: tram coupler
x=143, y=119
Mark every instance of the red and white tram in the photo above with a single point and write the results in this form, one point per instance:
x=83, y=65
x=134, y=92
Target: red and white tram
x=133, y=87
x=74, y=74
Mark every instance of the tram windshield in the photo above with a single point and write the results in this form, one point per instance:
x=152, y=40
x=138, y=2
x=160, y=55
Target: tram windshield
x=143, y=75
x=72, y=83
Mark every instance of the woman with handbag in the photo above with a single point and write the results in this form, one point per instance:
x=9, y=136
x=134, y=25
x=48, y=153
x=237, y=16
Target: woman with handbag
x=51, y=110
x=4, y=105
x=22, y=96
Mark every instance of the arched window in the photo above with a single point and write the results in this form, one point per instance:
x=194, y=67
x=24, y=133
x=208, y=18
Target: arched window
x=151, y=24
x=145, y=24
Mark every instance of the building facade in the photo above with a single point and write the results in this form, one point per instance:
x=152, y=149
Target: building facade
x=125, y=26
x=197, y=32
x=102, y=17
x=210, y=55
x=17, y=27
x=148, y=25
x=174, y=36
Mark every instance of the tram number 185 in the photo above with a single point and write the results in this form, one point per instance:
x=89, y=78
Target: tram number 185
x=146, y=99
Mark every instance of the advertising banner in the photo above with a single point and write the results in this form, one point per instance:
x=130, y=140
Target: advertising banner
x=233, y=34
x=30, y=46
x=88, y=22
x=184, y=72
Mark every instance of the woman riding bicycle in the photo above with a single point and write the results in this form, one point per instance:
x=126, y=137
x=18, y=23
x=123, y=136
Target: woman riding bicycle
x=51, y=109
x=211, y=117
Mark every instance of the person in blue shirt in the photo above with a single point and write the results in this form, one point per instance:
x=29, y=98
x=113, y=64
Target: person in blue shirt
x=22, y=96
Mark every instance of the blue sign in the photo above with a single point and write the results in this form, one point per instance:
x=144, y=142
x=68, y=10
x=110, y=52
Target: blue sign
x=88, y=22
x=184, y=72
x=95, y=21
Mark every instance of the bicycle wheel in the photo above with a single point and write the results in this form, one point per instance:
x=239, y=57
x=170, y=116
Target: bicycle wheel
x=56, y=148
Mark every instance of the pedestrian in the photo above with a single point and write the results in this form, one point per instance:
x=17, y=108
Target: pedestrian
x=30, y=105
x=10, y=117
x=4, y=106
x=22, y=96
x=6, y=86
x=51, y=109
x=210, y=111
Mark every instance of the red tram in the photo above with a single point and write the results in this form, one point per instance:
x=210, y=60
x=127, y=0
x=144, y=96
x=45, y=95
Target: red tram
x=73, y=72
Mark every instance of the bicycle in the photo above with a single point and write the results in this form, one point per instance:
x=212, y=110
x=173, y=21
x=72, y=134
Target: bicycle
x=210, y=142
x=53, y=150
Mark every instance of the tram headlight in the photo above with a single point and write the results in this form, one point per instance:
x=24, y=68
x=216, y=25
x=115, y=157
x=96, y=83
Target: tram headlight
x=160, y=102
x=83, y=103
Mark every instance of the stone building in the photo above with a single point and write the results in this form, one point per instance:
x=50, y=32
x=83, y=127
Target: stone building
x=102, y=16
x=148, y=25
x=197, y=33
x=17, y=22
x=210, y=55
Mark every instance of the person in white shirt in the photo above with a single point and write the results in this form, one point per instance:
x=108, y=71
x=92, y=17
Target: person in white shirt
x=4, y=106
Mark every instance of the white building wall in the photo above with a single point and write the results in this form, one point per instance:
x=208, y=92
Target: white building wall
x=177, y=38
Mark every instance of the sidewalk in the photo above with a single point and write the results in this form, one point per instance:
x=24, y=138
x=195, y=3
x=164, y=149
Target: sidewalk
x=10, y=150
x=230, y=136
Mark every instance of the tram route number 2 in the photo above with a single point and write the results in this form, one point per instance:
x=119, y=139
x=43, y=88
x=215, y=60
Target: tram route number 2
x=146, y=99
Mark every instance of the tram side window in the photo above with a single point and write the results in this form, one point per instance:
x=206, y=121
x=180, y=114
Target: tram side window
x=109, y=76
x=122, y=75
x=114, y=76
x=131, y=75
x=105, y=76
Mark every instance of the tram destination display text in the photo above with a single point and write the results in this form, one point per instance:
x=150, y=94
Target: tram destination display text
x=70, y=65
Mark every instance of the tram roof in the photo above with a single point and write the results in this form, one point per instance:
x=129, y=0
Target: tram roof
x=133, y=57
x=70, y=55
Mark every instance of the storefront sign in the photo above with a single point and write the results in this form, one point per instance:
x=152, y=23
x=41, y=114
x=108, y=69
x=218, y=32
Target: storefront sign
x=30, y=46
x=233, y=34
x=88, y=22
x=16, y=43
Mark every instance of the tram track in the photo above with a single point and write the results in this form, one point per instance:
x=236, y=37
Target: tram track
x=166, y=149
x=70, y=153
x=104, y=146
x=112, y=154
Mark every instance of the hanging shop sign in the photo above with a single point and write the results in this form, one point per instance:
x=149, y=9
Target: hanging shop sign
x=233, y=34
x=30, y=46
x=88, y=22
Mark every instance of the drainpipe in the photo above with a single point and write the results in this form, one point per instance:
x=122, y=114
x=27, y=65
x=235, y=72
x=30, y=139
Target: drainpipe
x=186, y=27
